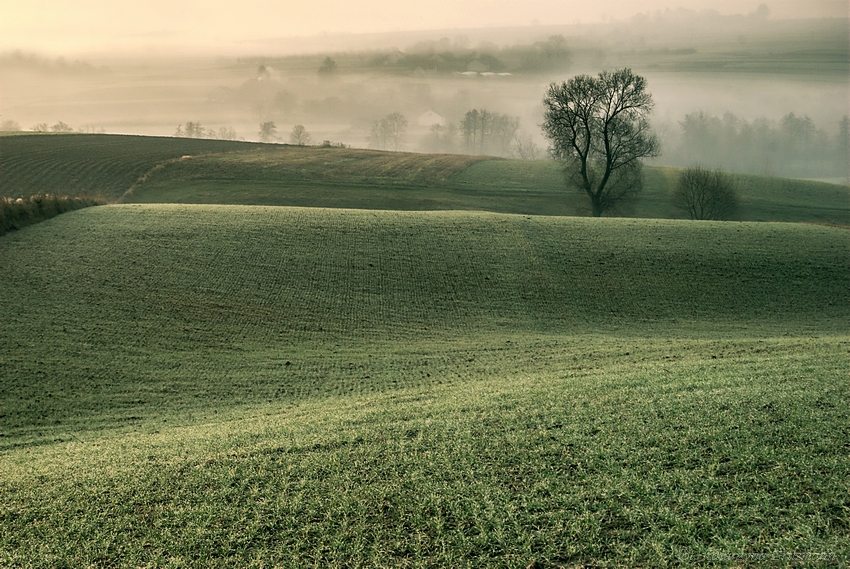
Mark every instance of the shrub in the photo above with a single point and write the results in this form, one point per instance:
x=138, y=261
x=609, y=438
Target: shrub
x=705, y=194
x=20, y=212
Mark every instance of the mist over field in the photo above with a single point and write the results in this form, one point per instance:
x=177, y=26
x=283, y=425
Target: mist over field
x=750, y=93
x=289, y=284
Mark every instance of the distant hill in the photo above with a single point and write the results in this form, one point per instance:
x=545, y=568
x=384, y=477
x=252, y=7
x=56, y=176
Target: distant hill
x=185, y=170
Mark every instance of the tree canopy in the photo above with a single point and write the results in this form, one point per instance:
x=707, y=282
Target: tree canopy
x=599, y=130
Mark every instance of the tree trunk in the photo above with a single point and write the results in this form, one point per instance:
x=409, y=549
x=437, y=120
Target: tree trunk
x=597, y=206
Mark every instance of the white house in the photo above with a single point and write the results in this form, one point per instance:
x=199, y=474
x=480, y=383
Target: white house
x=430, y=118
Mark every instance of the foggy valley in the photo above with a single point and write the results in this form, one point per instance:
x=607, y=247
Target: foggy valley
x=758, y=87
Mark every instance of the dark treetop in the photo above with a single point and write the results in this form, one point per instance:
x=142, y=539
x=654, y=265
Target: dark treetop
x=598, y=128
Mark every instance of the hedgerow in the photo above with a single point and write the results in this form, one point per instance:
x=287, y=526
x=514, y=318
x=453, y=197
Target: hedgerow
x=20, y=212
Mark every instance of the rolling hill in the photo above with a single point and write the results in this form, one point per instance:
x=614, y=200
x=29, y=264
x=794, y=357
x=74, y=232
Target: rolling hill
x=233, y=385
x=92, y=295
x=184, y=170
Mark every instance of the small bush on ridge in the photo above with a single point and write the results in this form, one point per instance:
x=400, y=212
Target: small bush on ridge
x=706, y=194
x=20, y=212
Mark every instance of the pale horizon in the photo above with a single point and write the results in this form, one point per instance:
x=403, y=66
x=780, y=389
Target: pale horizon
x=157, y=27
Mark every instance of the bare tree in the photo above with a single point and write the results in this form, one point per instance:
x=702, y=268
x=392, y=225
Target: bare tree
x=599, y=130
x=387, y=133
x=227, y=133
x=472, y=129
x=299, y=136
x=89, y=128
x=441, y=139
x=395, y=125
x=525, y=148
x=193, y=130
x=10, y=126
x=705, y=194
x=502, y=133
x=268, y=131
x=61, y=127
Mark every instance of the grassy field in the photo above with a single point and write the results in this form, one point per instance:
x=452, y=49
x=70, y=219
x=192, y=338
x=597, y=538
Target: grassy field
x=182, y=170
x=85, y=164
x=202, y=385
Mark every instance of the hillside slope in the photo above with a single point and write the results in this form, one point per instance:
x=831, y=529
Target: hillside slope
x=261, y=386
x=102, y=165
x=180, y=170
x=235, y=303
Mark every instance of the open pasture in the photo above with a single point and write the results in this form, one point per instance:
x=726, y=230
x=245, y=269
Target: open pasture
x=190, y=385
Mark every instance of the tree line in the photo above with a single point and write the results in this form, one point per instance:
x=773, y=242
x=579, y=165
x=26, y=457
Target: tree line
x=60, y=127
x=794, y=146
x=441, y=56
x=482, y=132
x=194, y=129
x=297, y=137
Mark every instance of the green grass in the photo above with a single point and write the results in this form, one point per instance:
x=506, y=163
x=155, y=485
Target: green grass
x=662, y=456
x=262, y=386
x=172, y=170
x=100, y=165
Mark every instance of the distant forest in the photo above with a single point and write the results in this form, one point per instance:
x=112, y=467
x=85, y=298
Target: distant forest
x=793, y=147
x=442, y=56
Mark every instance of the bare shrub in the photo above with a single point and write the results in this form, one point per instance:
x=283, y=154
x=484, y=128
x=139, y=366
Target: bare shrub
x=20, y=212
x=705, y=194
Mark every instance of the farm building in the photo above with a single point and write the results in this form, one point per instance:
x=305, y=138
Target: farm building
x=430, y=118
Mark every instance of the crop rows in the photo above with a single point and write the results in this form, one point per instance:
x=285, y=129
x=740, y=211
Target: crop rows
x=646, y=454
x=281, y=270
x=95, y=165
x=265, y=386
x=183, y=305
x=151, y=170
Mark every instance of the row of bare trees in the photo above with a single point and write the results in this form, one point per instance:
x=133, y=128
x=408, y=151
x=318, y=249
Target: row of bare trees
x=483, y=132
x=196, y=130
x=61, y=127
x=298, y=136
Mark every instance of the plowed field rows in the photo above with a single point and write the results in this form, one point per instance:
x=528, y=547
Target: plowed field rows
x=96, y=165
x=144, y=296
x=135, y=169
x=216, y=386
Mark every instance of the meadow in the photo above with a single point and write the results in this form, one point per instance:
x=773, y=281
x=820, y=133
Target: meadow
x=185, y=170
x=225, y=385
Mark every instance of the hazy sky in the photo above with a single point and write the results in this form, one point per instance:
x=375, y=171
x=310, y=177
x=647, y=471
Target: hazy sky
x=69, y=27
